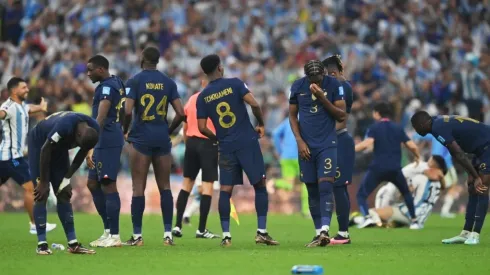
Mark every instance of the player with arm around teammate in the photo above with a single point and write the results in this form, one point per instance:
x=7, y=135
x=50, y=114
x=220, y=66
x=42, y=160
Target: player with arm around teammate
x=104, y=160
x=463, y=135
x=425, y=180
x=223, y=101
x=148, y=95
x=14, y=114
x=345, y=154
x=316, y=103
x=49, y=143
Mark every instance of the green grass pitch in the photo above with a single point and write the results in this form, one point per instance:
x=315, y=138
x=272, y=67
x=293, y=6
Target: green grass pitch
x=374, y=251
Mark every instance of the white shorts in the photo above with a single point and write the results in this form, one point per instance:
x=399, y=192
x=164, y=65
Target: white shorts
x=386, y=195
x=398, y=215
x=451, y=177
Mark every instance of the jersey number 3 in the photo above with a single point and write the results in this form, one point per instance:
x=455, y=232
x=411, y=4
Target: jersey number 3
x=223, y=110
x=147, y=101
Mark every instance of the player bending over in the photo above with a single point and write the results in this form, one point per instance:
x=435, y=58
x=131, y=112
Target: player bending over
x=148, y=94
x=104, y=160
x=319, y=101
x=49, y=143
x=14, y=114
x=386, y=136
x=464, y=135
x=223, y=100
x=345, y=154
x=425, y=180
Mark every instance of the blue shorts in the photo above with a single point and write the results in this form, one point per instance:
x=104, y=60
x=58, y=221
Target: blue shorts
x=16, y=169
x=322, y=164
x=59, y=164
x=248, y=159
x=482, y=162
x=152, y=151
x=107, y=163
x=346, y=156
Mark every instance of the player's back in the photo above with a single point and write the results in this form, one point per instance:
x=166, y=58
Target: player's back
x=425, y=196
x=111, y=89
x=388, y=137
x=14, y=129
x=471, y=135
x=317, y=126
x=152, y=92
x=222, y=101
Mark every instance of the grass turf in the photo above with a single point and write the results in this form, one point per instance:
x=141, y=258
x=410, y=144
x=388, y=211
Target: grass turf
x=374, y=251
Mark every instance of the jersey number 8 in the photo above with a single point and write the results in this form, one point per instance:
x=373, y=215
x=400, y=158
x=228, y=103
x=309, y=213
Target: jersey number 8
x=223, y=109
x=147, y=101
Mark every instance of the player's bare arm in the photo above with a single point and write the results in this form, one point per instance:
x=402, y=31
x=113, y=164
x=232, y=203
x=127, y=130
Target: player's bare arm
x=203, y=128
x=303, y=149
x=414, y=149
x=77, y=161
x=128, y=114
x=184, y=135
x=104, y=107
x=3, y=114
x=179, y=115
x=250, y=100
x=42, y=107
x=41, y=192
x=460, y=157
x=337, y=111
x=363, y=145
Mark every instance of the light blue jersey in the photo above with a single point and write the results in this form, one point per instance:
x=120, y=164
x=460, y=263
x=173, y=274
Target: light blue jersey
x=284, y=141
x=437, y=148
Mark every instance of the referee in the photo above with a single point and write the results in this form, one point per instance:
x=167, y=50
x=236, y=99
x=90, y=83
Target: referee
x=200, y=153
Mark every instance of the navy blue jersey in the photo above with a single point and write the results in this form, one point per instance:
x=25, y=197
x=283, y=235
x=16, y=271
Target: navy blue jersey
x=111, y=89
x=471, y=135
x=388, y=137
x=348, y=95
x=222, y=102
x=60, y=128
x=317, y=126
x=152, y=92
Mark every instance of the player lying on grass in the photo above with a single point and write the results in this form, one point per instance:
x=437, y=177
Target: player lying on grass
x=463, y=135
x=49, y=143
x=425, y=181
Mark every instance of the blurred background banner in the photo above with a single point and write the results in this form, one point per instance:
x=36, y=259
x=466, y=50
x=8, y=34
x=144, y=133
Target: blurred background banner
x=430, y=54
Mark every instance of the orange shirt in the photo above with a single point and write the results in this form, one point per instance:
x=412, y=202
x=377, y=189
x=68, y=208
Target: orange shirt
x=190, y=110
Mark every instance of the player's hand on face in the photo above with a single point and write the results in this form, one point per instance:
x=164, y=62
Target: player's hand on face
x=316, y=90
x=304, y=151
x=90, y=160
x=260, y=130
x=41, y=193
x=44, y=105
x=479, y=186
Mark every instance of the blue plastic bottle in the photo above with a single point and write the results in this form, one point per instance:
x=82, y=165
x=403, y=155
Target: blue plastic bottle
x=307, y=269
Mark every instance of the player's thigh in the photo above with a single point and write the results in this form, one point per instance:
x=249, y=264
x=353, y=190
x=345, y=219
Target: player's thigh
x=307, y=171
x=345, y=159
x=326, y=163
x=208, y=157
x=161, y=166
x=5, y=170
x=139, y=163
x=369, y=182
x=252, y=162
x=34, y=155
x=400, y=214
x=192, y=160
x=289, y=168
x=484, y=167
x=398, y=179
x=230, y=171
x=60, y=163
x=108, y=163
x=386, y=195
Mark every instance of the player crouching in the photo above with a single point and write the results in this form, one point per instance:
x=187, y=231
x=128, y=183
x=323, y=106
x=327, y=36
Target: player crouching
x=425, y=180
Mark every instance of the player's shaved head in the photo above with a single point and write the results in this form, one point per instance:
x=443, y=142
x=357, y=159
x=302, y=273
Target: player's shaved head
x=422, y=122
x=210, y=63
x=98, y=61
x=88, y=136
x=151, y=55
x=441, y=163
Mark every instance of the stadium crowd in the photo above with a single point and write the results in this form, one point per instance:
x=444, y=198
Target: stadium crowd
x=430, y=54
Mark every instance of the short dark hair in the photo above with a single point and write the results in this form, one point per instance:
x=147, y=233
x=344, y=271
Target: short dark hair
x=14, y=82
x=314, y=67
x=99, y=61
x=384, y=109
x=151, y=54
x=333, y=60
x=210, y=63
x=420, y=117
x=441, y=163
